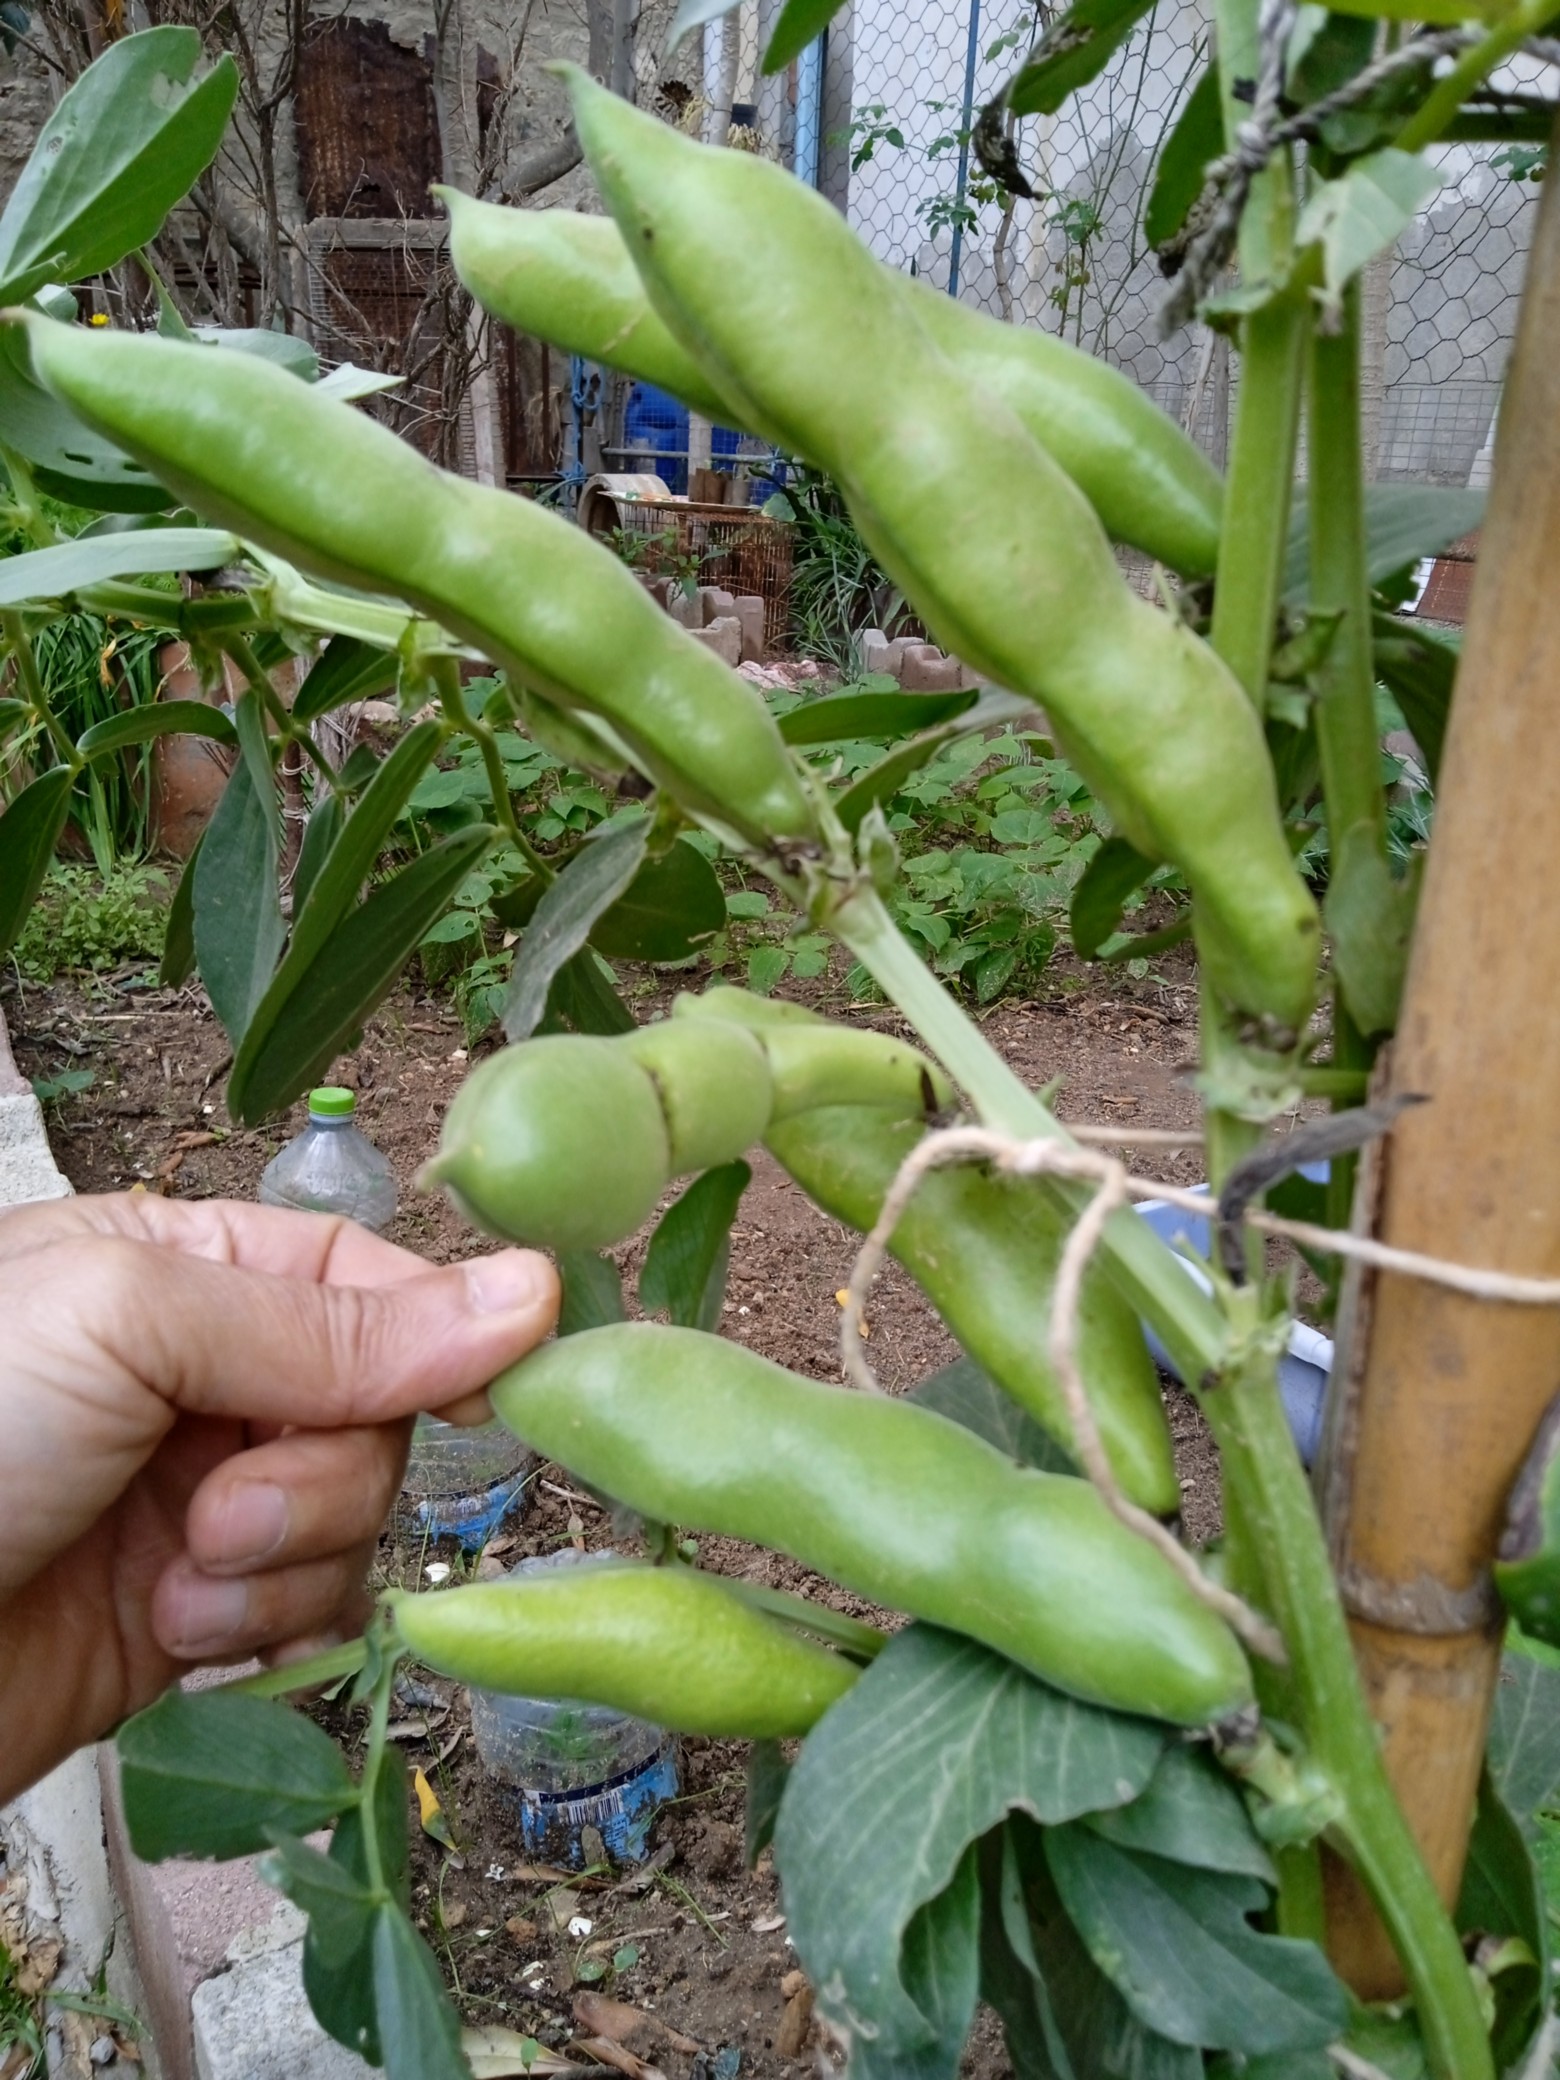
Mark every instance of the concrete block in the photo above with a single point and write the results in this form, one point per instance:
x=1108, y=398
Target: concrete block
x=881, y=654
x=27, y=1168
x=930, y=673
x=749, y=610
x=716, y=603
x=686, y=608
x=254, y=2023
x=724, y=637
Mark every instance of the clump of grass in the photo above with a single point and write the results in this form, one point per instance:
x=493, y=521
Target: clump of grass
x=84, y=919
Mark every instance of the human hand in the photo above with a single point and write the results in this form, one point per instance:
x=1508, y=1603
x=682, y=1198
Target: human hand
x=204, y=1415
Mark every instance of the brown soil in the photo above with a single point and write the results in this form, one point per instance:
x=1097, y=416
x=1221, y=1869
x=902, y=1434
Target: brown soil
x=712, y=1952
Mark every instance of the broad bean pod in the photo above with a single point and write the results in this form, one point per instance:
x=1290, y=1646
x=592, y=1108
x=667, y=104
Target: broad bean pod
x=312, y=480
x=566, y=278
x=568, y=1142
x=785, y=311
x=665, y=1643
x=888, y=1499
x=984, y=1249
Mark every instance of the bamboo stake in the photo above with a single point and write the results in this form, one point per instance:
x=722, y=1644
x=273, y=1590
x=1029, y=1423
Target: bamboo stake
x=1440, y=1393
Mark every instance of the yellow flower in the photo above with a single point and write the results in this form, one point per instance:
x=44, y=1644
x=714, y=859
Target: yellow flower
x=98, y=318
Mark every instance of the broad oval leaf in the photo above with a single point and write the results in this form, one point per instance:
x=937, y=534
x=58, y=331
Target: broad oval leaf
x=936, y=1743
x=1419, y=670
x=350, y=975
x=319, y=836
x=1197, y=138
x=29, y=831
x=212, y=1773
x=1116, y=872
x=965, y=1394
x=842, y=717
x=1191, y=1813
x=1075, y=47
x=238, y=913
x=418, y=2028
x=124, y=145
x=801, y=21
x=69, y=460
x=56, y=573
x=1524, y=1749
x=685, y=1266
x=672, y=907
x=599, y=873
x=157, y=719
x=592, y=1291
x=1403, y=523
x=347, y=669
x=1363, y=212
x=1501, y=1897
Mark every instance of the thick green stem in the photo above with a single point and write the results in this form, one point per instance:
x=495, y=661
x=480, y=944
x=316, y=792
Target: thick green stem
x=1258, y=491
x=1148, y=1274
x=1261, y=1463
x=20, y=645
x=1446, y=97
x=373, y=1759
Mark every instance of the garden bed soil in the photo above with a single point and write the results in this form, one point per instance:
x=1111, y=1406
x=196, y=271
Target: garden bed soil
x=711, y=1953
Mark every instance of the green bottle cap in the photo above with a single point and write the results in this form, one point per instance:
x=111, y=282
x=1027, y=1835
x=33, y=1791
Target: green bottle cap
x=330, y=1101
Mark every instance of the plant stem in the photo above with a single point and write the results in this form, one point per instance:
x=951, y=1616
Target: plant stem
x=1260, y=1460
x=326, y=1667
x=242, y=654
x=1145, y=1271
x=20, y=644
x=1447, y=96
x=446, y=679
x=379, y=1721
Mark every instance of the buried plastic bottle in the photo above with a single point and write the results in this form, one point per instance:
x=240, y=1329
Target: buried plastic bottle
x=463, y=1482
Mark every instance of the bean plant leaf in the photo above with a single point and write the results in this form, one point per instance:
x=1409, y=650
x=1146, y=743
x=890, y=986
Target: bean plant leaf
x=319, y=837
x=1197, y=138
x=1403, y=523
x=178, y=954
x=938, y=1740
x=886, y=778
x=1370, y=919
x=1176, y=1944
x=1115, y=872
x=843, y=717
x=347, y=669
x=966, y=1394
x=1524, y=1746
x=352, y=972
x=126, y=142
x=693, y=14
x=685, y=1266
x=29, y=831
x=68, y=460
x=582, y=1000
x=238, y=913
x=673, y=906
x=1419, y=669
x=800, y=21
x=592, y=1291
x=1191, y=1813
x=1010, y=1976
x=1363, y=212
x=338, y=1952
x=156, y=719
x=1501, y=1898
x=90, y=559
x=215, y=1773
x=419, y=2032
x=767, y=1775
x=1074, y=49
x=599, y=873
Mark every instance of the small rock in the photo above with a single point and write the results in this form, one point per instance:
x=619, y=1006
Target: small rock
x=521, y=1929
x=795, y=2023
x=104, y=2051
x=454, y=1914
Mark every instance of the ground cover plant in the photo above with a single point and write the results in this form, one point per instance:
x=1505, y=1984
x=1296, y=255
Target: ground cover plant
x=1130, y=1794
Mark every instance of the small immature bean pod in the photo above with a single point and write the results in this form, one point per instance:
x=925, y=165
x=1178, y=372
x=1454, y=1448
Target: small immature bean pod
x=984, y=1249
x=785, y=311
x=665, y=1643
x=567, y=1142
x=888, y=1499
x=566, y=277
x=314, y=481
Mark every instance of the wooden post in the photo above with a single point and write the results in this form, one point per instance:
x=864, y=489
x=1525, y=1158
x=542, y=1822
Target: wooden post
x=1440, y=1394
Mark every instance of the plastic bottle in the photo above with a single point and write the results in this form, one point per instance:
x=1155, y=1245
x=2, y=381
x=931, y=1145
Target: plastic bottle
x=463, y=1483
x=332, y=1166
x=568, y=1766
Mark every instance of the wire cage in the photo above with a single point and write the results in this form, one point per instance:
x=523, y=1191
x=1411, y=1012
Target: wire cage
x=736, y=547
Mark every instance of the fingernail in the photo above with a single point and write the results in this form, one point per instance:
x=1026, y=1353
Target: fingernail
x=252, y=1524
x=513, y=1282
x=206, y=1613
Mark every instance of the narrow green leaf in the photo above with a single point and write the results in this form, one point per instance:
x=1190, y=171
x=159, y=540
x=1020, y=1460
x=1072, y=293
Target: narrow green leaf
x=124, y=144
x=842, y=717
x=1419, y=670
x=1370, y=920
x=178, y=954
x=767, y=1774
x=599, y=873
x=156, y=719
x=685, y=1266
x=1176, y=1944
x=693, y=14
x=965, y=1394
x=211, y=1773
x=1191, y=1813
x=353, y=971
x=1403, y=524
x=1074, y=49
x=800, y=22
x=90, y=559
x=419, y=2031
x=68, y=460
x=1501, y=1898
x=319, y=836
x=885, y=779
x=1198, y=137
x=938, y=1740
x=11, y=713
x=29, y=831
x=339, y=1904
x=1010, y=1976
x=673, y=906
x=238, y=913
x=1115, y=872
x=347, y=669
x=592, y=1291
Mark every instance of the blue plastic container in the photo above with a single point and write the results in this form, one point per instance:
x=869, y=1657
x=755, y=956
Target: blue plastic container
x=463, y=1482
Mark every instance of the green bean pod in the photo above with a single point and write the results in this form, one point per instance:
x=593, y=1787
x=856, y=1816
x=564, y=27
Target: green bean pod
x=568, y=1142
x=313, y=480
x=984, y=1249
x=788, y=313
x=566, y=278
x=892, y=1501
x=665, y=1643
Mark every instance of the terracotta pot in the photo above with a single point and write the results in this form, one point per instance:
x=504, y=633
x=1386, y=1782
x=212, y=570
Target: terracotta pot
x=188, y=773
